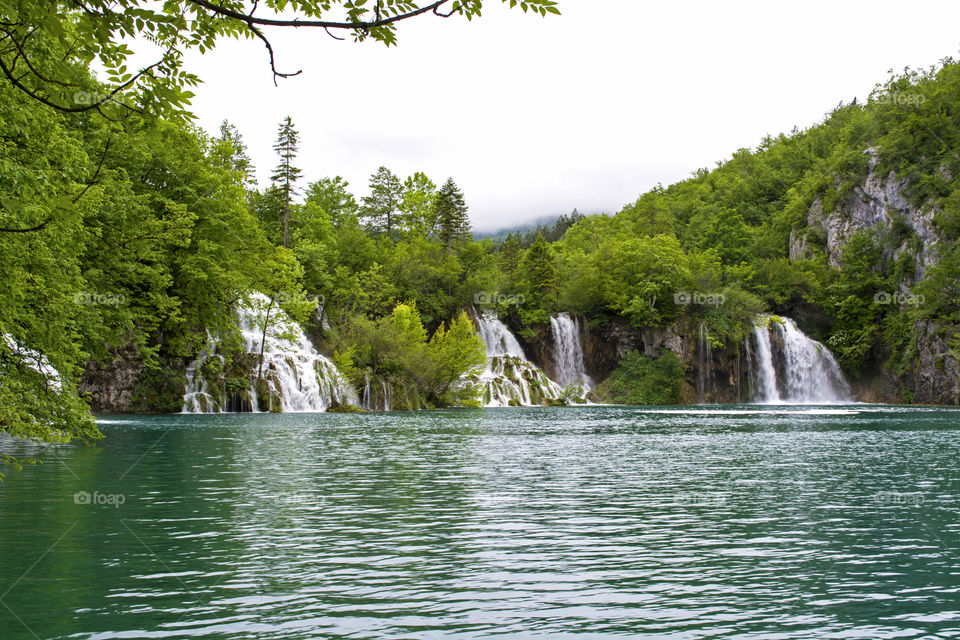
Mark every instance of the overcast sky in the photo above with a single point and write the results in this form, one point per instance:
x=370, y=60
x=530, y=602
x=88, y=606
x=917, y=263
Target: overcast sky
x=537, y=116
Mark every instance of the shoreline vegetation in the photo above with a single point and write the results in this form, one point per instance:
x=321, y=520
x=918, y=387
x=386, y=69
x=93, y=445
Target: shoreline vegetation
x=131, y=238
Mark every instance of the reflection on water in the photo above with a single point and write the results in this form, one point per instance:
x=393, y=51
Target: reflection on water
x=693, y=522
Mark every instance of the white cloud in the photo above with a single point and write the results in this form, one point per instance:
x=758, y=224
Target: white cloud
x=537, y=116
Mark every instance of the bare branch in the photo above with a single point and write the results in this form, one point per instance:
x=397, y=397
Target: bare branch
x=273, y=66
x=323, y=24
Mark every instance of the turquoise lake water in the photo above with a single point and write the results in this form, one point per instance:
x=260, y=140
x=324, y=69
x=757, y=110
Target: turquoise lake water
x=594, y=522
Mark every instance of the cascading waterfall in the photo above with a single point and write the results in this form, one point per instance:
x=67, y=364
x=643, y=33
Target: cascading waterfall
x=296, y=377
x=785, y=365
x=568, y=352
x=497, y=338
x=765, y=384
x=509, y=378
x=34, y=360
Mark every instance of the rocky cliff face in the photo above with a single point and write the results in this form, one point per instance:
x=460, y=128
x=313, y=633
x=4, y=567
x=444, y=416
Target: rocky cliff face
x=936, y=378
x=880, y=203
x=112, y=384
x=122, y=384
x=721, y=378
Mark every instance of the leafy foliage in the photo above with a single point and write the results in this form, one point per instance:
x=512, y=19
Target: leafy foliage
x=45, y=47
x=642, y=380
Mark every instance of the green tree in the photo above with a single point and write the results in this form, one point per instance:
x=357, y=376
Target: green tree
x=285, y=176
x=267, y=207
x=230, y=153
x=639, y=278
x=537, y=277
x=455, y=352
x=417, y=203
x=730, y=236
x=453, y=225
x=380, y=208
x=509, y=255
x=332, y=195
x=644, y=380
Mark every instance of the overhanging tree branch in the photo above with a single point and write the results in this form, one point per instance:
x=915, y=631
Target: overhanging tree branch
x=327, y=24
x=79, y=31
x=17, y=82
x=40, y=227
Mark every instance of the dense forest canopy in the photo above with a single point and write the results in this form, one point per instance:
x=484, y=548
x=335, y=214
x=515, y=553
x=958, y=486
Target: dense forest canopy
x=130, y=235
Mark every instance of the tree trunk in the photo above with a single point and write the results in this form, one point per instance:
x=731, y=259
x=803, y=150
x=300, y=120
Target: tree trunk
x=286, y=217
x=263, y=341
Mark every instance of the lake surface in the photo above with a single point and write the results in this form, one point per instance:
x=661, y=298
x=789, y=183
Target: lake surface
x=596, y=522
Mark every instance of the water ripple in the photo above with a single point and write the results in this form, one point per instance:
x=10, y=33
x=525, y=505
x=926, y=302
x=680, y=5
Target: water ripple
x=597, y=522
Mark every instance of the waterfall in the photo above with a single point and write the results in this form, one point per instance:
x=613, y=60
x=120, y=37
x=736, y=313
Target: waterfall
x=509, y=378
x=497, y=338
x=788, y=366
x=705, y=364
x=765, y=387
x=296, y=378
x=379, y=394
x=568, y=352
x=34, y=360
x=366, y=394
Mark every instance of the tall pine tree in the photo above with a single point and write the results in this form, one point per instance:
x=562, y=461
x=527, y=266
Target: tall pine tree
x=286, y=174
x=453, y=225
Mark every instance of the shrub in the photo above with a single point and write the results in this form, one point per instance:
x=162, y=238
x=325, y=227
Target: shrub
x=643, y=379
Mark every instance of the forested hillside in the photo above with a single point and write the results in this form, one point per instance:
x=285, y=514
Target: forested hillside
x=128, y=243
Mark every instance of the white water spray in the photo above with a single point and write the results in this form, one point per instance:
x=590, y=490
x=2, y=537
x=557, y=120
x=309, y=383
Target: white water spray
x=808, y=372
x=297, y=377
x=509, y=377
x=568, y=351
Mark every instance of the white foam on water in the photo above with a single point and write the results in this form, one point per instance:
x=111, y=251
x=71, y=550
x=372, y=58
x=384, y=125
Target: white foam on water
x=753, y=412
